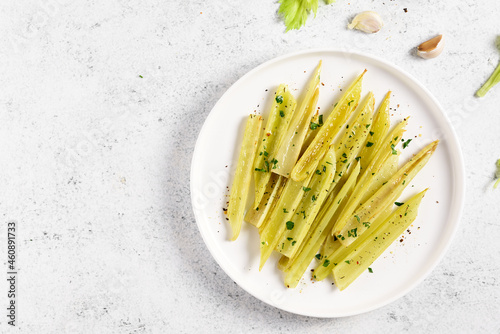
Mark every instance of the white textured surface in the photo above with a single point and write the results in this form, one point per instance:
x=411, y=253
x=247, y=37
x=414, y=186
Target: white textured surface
x=95, y=160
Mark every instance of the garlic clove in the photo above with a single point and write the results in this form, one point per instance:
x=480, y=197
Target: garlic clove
x=431, y=48
x=368, y=21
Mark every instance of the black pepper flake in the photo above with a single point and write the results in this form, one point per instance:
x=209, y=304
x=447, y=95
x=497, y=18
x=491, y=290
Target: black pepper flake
x=406, y=10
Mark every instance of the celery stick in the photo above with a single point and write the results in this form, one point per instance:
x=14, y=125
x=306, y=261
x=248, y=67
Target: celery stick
x=297, y=265
x=243, y=174
x=281, y=218
x=381, y=125
x=291, y=145
x=339, y=115
x=311, y=202
x=314, y=127
x=361, y=257
x=256, y=216
x=363, y=216
x=280, y=116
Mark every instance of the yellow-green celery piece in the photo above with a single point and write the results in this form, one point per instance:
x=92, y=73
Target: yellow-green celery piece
x=312, y=131
x=280, y=116
x=339, y=115
x=241, y=182
x=362, y=256
x=309, y=206
x=297, y=265
x=351, y=143
x=493, y=79
x=371, y=173
x=360, y=221
x=334, y=251
x=280, y=218
x=380, y=127
x=291, y=145
x=256, y=215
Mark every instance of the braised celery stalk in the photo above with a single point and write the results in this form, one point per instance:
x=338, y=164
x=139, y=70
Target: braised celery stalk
x=339, y=115
x=351, y=143
x=297, y=264
x=381, y=125
x=314, y=126
x=256, y=216
x=360, y=221
x=281, y=218
x=241, y=183
x=497, y=175
x=334, y=251
x=291, y=144
x=309, y=206
x=371, y=173
x=362, y=256
x=280, y=115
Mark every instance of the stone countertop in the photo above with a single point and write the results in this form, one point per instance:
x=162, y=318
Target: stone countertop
x=101, y=103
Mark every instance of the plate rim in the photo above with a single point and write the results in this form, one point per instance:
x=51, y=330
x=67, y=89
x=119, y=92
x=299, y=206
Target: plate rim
x=455, y=150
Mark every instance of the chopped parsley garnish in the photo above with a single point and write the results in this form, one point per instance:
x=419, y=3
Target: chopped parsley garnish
x=348, y=261
x=344, y=155
x=398, y=203
x=313, y=126
x=140, y=76
x=340, y=237
x=372, y=133
x=326, y=263
x=358, y=158
x=369, y=144
x=260, y=170
x=349, y=104
x=275, y=163
x=306, y=189
x=406, y=143
x=357, y=217
x=282, y=113
x=284, y=210
x=353, y=232
x=370, y=270
x=265, y=153
x=313, y=198
x=294, y=242
x=394, y=152
x=367, y=224
x=318, y=256
x=318, y=172
x=368, y=125
x=289, y=239
x=303, y=213
x=289, y=225
x=320, y=120
x=328, y=162
x=279, y=99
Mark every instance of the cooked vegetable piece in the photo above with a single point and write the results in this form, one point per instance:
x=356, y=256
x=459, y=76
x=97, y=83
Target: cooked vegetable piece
x=351, y=143
x=256, y=216
x=309, y=206
x=241, y=183
x=334, y=253
x=364, y=254
x=281, y=218
x=388, y=193
x=339, y=115
x=280, y=116
x=381, y=125
x=314, y=127
x=370, y=174
x=291, y=144
x=297, y=265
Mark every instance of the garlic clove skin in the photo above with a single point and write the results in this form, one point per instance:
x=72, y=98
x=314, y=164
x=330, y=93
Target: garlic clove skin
x=431, y=48
x=368, y=21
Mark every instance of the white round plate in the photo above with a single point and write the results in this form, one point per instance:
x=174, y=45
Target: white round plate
x=405, y=263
